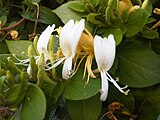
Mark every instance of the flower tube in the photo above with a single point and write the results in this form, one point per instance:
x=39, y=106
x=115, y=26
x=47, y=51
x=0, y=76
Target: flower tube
x=104, y=50
x=69, y=37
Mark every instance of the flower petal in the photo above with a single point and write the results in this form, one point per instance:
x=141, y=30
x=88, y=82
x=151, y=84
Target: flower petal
x=70, y=36
x=111, y=45
x=67, y=67
x=77, y=31
x=104, y=50
x=44, y=39
x=65, y=36
x=105, y=86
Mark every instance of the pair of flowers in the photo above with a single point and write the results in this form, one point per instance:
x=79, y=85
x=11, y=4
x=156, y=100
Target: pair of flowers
x=69, y=36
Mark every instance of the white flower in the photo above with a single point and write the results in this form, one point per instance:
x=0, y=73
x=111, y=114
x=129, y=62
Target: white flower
x=43, y=41
x=42, y=45
x=104, y=50
x=68, y=39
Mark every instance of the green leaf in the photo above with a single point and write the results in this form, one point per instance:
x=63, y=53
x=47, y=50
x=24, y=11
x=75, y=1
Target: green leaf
x=135, y=22
x=15, y=47
x=57, y=91
x=2, y=79
x=150, y=34
x=4, y=57
x=77, y=6
x=3, y=19
x=116, y=32
x=138, y=65
x=75, y=89
x=15, y=94
x=34, y=106
x=125, y=16
x=147, y=5
x=151, y=106
x=116, y=96
x=147, y=103
x=95, y=2
x=155, y=45
x=46, y=16
x=65, y=13
x=87, y=109
x=150, y=20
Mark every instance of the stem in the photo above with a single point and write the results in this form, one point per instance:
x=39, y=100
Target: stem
x=141, y=107
x=13, y=26
x=36, y=22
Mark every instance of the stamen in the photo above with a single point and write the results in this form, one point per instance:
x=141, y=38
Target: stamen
x=116, y=85
x=25, y=61
x=53, y=61
x=86, y=83
x=55, y=65
x=75, y=69
x=21, y=62
x=117, y=79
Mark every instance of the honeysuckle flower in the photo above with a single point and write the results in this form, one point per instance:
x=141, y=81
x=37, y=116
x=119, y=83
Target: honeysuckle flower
x=69, y=36
x=42, y=45
x=104, y=50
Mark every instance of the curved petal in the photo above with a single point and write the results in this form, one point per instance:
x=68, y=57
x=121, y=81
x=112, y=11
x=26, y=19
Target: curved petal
x=67, y=67
x=104, y=50
x=64, y=31
x=111, y=46
x=65, y=37
x=44, y=39
x=77, y=31
x=99, y=51
x=105, y=86
x=70, y=36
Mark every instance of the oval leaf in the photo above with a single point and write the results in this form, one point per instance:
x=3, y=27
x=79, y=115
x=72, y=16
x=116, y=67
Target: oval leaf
x=15, y=94
x=15, y=47
x=135, y=22
x=77, y=6
x=116, y=32
x=65, y=13
x=75, y=89
x=138, y=65
x=88, y=109
x=34, y=106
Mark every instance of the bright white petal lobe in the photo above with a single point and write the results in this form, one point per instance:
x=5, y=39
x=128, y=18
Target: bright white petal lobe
x=111, y=46
x=65, y=38
x=70, y=36
x=104, y=50
x=44, y=39
x=105, y=85
x=77, y=31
